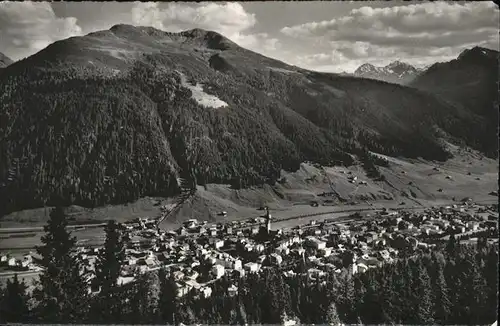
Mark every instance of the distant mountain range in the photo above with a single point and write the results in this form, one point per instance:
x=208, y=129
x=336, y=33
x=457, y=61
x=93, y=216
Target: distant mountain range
x=396, y=72
x=122, y=113
x=4, y=60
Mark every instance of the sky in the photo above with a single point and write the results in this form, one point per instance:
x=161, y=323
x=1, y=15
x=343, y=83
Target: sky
x=324, y=36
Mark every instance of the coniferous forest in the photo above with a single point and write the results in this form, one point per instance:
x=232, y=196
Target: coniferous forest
x=454, y=284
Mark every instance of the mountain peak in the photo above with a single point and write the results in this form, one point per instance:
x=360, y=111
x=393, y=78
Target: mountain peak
x=396, y=72
x=4, y=60
x=213, y=40
x=121, y=26
x=197, y=32
x=365, y=68
x=478, y=52
x=399, y=64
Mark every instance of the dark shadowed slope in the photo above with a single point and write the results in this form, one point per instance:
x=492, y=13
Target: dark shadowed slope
x=470, y=81
x=123, y=113
x=4, y=60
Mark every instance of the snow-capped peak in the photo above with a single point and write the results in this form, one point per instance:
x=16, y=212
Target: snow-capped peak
x=395, y=72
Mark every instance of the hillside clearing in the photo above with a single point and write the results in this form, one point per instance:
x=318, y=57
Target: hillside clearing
x=202, y=98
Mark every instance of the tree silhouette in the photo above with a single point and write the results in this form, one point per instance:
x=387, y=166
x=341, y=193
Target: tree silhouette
x=332, y=316
x=108, y=266
x=62, y=293
x=14, y=302
x=167, y=304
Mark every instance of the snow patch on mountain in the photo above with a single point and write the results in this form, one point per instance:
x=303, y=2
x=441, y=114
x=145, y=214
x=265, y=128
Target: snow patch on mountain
x=202, y=98
x=395, y=72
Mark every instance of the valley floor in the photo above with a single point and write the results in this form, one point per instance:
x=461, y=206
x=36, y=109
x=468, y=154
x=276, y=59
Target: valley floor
x=409, y=184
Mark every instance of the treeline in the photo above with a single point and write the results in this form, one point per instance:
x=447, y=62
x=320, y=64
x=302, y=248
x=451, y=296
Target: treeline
x=456, y=284
x=370, y=163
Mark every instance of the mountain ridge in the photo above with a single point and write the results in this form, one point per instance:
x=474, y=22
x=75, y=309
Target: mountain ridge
x=395, y=72
x=469, y=81
x=123, y=113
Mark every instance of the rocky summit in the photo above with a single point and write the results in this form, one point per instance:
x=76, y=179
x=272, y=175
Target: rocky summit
x=4, y=60
x=396, y=72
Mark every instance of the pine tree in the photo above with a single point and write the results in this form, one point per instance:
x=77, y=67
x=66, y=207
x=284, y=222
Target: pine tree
x=111, y=258
x=14, y=302
x=108, y=268
x=282, y=294
x=62, y=294
x=167, y=304
x=386, y=295
x=332, y=316
x=451, y=246
x=442, y=303
x=474, y=294
x=142, y=310
x=372, y=305
x=491, y=276
x=424, y=307
x=346, y=298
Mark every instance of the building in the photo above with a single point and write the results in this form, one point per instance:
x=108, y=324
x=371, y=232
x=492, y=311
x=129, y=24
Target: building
x=325, y=252
x=232, y=290
x=206, y=292
x=275, y=259
x=252, y=267
x=218, y=271
x=237, y=264
x=268, y=221
x=316, y=243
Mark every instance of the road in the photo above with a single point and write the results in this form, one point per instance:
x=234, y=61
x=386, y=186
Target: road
x=40, y=228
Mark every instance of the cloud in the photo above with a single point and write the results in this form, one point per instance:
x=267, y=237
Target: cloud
x=418, y=32
x=27, y=27
x=424, y=22
x=226, y=18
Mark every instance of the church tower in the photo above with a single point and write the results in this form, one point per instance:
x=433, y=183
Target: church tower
x=268, y=221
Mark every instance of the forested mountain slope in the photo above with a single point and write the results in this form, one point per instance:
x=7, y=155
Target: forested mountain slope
x=470, y=81
x=122, y=113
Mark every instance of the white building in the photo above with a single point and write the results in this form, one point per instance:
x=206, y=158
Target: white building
x=252, y=267
x=259, y=248
x=206, y=292
x=178, y=275
x=325, y=252
x=276, y=259
x=316, y=243
x=232, y=290
x=473, y=226
x=361, y=268
x=218, y=271
x=237, y=264
x=219, y=244
x=12, y=262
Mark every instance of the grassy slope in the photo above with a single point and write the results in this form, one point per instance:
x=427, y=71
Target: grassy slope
x=294, y=196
